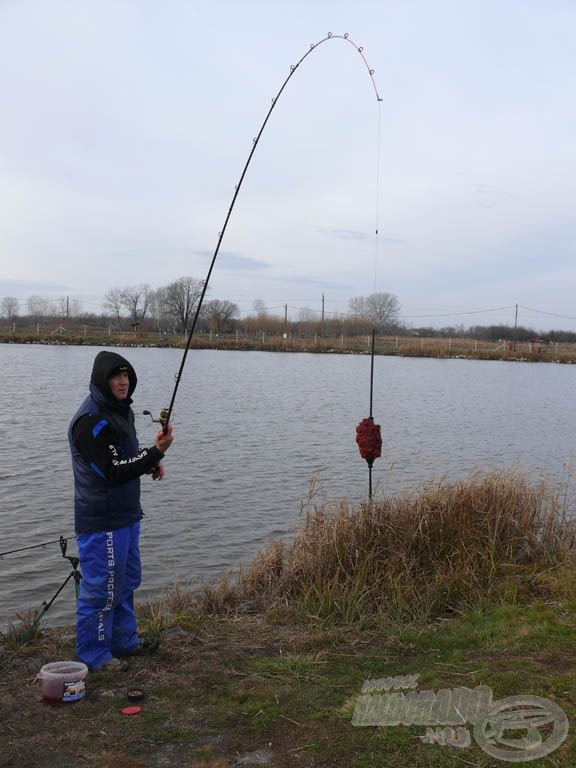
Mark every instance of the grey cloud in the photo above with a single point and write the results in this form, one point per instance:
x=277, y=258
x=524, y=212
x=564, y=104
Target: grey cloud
x=236, y=262
x=10, y=287
x=346, y=234
x=353, y=234
x=320, y=283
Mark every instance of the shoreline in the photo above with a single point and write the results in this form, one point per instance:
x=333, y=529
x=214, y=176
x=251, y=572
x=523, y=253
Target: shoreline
x=392, y=346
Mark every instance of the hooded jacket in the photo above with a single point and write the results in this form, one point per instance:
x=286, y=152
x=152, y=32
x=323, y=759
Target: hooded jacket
x=106, y=459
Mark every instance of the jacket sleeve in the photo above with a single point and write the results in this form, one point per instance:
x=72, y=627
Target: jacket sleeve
x=96, y=441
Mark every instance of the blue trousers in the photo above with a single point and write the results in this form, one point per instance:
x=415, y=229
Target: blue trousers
x=105, y=617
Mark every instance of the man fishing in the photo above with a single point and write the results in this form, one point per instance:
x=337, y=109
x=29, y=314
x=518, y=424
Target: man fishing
x=107, y=463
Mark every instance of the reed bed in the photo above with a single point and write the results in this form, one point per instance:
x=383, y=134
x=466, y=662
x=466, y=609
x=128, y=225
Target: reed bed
x=434, y=552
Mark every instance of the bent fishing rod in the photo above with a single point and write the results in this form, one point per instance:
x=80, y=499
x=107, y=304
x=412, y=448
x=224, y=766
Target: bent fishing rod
x=166, y=413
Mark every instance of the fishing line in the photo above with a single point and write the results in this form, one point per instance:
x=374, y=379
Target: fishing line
x=377, y=223
x=167, y=412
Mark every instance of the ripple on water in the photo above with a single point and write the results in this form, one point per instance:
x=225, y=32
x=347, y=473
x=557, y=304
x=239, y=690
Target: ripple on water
x=252, y=431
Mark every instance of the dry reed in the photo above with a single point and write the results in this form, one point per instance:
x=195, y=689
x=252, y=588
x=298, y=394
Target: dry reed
x=432, y=552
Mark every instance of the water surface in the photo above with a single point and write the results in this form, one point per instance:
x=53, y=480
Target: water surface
x=252, y=431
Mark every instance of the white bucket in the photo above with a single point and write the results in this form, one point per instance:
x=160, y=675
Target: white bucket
x=63, y=682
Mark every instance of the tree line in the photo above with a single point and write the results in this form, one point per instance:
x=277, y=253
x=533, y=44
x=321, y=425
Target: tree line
x=172, y=308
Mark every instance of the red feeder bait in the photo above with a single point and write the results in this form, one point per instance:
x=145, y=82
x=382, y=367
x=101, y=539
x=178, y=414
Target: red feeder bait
x=369, y=440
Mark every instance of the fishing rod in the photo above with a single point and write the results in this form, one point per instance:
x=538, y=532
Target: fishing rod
x=166, y=413
x=75, y=574
x=35, y=546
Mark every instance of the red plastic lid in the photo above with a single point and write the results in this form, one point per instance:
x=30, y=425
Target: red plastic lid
x=131, y=710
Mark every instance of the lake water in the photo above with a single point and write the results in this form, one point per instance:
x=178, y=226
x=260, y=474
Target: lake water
x=252, y=430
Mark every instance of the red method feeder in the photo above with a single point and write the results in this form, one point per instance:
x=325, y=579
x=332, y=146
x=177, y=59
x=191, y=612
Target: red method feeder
x=368, y=435
x=369, y=440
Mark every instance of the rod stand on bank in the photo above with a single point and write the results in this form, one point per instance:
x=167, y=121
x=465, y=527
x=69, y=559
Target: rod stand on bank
x=74, y=574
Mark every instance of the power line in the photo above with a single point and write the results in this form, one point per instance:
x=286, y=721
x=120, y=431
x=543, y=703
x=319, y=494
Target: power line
x=458, y=314
x=551, y=314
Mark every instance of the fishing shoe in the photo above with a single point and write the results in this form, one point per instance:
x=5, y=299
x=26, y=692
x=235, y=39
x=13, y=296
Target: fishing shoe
x=114, y=665
x=148, y=646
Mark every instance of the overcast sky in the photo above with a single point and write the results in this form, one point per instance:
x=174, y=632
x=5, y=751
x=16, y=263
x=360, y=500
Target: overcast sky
x=125, y=126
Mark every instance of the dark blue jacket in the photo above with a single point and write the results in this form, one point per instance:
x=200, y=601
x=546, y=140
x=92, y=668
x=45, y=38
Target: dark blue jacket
x=106, y=459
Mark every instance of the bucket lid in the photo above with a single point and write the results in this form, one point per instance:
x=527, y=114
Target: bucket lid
x=131, y=710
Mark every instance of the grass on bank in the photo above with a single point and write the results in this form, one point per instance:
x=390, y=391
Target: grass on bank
x=437, y=551
x=465, y=584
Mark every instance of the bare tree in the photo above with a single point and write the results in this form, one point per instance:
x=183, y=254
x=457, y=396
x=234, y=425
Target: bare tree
x=158, y=308
x=260, y=308
x=307, y=315
x=38, y=306
x=381, y=309
x=309, y=321
x=135, y=300
x=75, y=307
x=220, y=312
x=113, y=303
x=9, y=307
x=182, y=297
x=62, y=308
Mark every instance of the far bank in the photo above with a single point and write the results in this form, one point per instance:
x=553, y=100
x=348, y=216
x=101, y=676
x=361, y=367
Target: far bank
x=444, y=347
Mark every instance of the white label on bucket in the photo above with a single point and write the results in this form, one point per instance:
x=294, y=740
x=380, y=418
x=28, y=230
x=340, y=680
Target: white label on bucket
x=74, y=690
